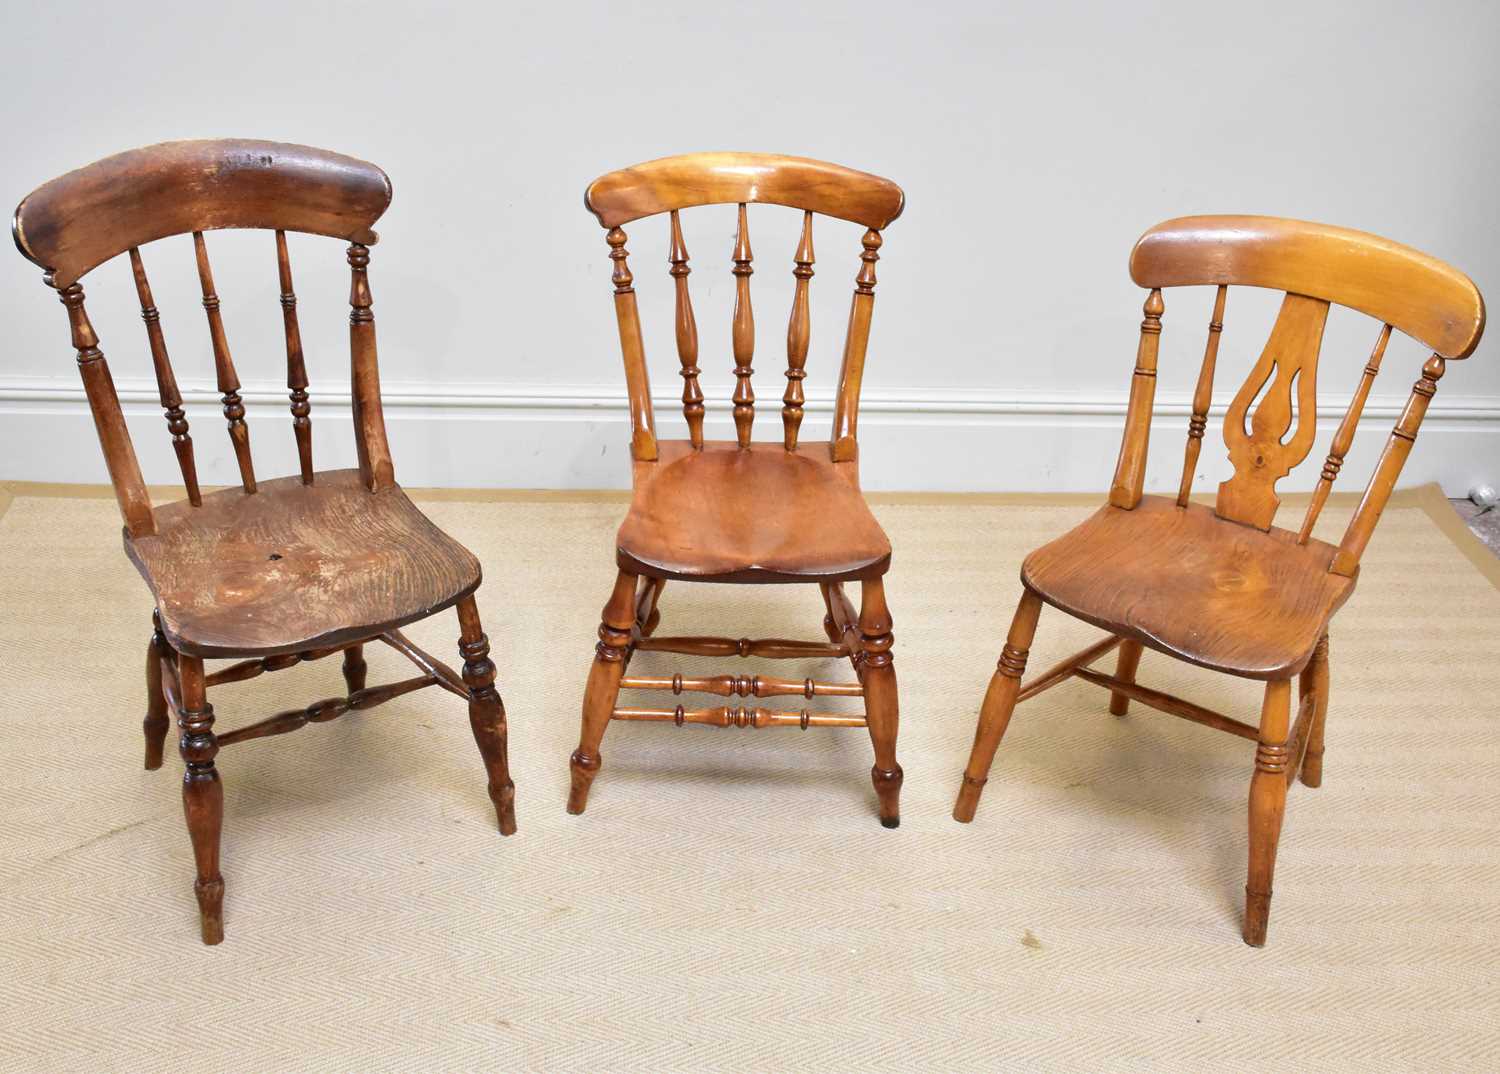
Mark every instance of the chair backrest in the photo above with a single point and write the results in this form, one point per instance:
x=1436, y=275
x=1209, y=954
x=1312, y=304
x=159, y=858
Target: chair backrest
x=117, y=205
x=675, y=183
x=1316, y=265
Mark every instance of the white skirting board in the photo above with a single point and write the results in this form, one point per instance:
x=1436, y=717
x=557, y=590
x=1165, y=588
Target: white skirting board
x=576, y=437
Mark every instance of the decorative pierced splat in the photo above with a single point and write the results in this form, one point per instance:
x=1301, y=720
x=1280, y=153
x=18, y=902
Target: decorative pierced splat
x=375, y=466
x=744, y=334
x=1261, y=454
x=1344, y=437
x=1202, y=398
x=296, y=369
x=798, y=335
x=687, y=337
x=228, y=382
x=166, y=381
x=856, y=341
x=1130, y=471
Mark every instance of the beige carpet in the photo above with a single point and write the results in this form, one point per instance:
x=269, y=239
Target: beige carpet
x=729, y=901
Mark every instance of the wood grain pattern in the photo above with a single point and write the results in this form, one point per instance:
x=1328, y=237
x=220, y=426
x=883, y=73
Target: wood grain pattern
x=1423, y=297
x=693, y=179
x=1199, y=587
x=297, y=567
x=759, y=514
x=85, y=218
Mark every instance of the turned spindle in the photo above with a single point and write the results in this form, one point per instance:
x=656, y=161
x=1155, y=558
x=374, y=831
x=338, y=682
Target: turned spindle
x=687, y=337
x=1202, y=398
x=228, y=381
x=375, y=466
x=166, y=381
x=1392, y=458
x=296, y=368
x=744, y=334
x=798, y=334
x=856, y=342
x=627, y=319
x=1130, y=471
x=114, y=437
x=1344, y=437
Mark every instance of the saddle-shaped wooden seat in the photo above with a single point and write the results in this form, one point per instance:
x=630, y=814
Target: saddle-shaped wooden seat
x=1184, y=581
x=297, y=567
x=762, y=514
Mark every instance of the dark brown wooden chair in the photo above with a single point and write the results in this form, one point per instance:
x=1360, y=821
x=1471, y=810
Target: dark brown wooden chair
x=742, y=511
x=296, y=568
x=1222, y=587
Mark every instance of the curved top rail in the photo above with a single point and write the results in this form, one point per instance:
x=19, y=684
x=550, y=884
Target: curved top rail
x=681, y=182
x=81, y=220
x=1427, y=299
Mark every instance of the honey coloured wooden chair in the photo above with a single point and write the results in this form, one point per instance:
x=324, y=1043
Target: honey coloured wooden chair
x=1222, y=587
x=280, y=571
x=744, y=511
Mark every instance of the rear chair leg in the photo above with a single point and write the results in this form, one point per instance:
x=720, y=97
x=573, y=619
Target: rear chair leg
x=1315, y=679
x=999, y=703
x=882, y=712
x=202, y=795
x=486, y=712
x=1130, y=658
x=1267, y=806
x=830, y=628
x=156, y=723
x=355, y=667
x=603, y=687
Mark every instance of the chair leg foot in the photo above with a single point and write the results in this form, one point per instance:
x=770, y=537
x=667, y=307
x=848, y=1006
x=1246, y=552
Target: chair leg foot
x=603, y=688
x=582, y=768
x=202, y=797
x=999, y=703
x=1257, y=916
x=155, y=725
x=486, y=713
x=1267, y=807
x=882, y=704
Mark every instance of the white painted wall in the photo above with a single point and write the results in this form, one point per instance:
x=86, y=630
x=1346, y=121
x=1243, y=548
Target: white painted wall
x=1034, y=144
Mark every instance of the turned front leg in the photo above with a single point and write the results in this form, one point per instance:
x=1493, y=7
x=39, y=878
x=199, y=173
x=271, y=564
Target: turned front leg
x=603, y=688
x=999, y=703
x=155, y=725
x=202, y=795
x=882, y=712
x=1314, y=680
x=1267, y=806
x=486, y=713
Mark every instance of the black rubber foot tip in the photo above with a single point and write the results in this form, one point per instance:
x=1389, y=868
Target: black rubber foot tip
x=890, y=822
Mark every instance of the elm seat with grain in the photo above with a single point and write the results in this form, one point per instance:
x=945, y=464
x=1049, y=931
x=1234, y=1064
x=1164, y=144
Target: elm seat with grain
x=792, y=516
x=297, y=567
x=1215, y=593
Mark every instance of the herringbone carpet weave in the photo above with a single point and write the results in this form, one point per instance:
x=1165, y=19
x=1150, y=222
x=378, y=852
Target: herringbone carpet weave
x=729, y=901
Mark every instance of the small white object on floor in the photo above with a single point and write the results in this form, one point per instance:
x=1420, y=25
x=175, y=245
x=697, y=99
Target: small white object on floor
x=1484, y=495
